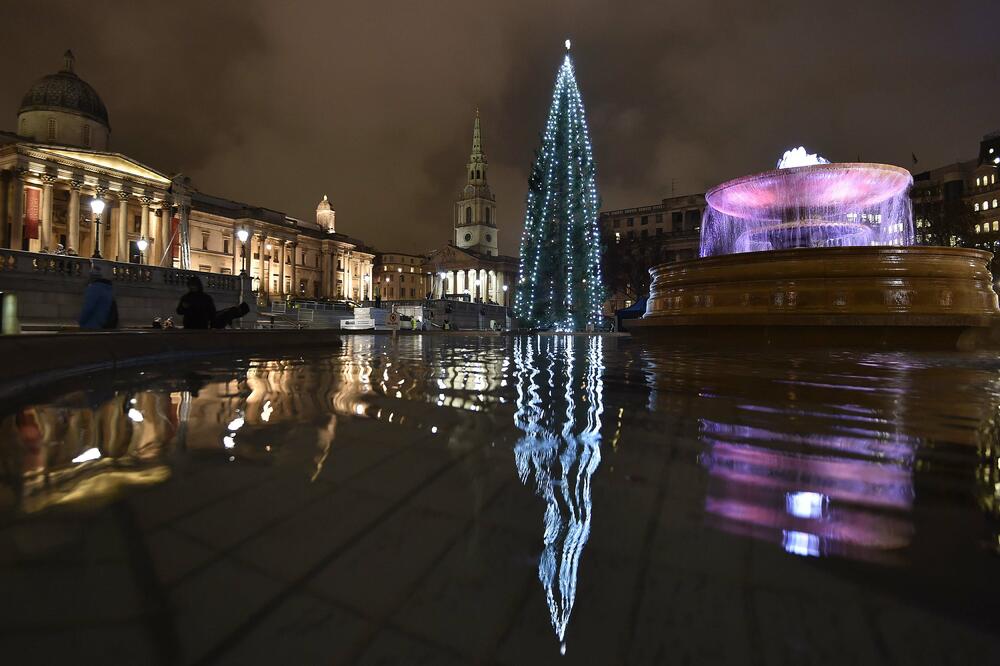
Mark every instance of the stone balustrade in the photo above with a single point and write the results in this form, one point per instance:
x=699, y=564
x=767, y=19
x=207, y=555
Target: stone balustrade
x=50, y=288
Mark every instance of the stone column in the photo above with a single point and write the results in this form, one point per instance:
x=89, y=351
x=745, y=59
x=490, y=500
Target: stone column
x=45, y=234
x=265, y=266
x=17, y=210
x=164, y=237
x=295, y=270
x=325, y=275
x=260, y=259
x=348, y=276
x=281, y=268
x=73, y=218
x=144, y=226
x=119, y=234
x=185, y=238
x=4, y=204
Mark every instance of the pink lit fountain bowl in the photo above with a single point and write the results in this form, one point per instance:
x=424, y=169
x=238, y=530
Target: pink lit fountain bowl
x=820, y=205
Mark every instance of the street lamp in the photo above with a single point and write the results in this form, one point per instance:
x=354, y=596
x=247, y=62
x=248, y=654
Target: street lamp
x=143, y=245
x=505, y=305
x=97, y=206
x=244, y=235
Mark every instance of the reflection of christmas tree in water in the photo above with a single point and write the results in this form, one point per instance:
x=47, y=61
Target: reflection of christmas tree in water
x=561, y=448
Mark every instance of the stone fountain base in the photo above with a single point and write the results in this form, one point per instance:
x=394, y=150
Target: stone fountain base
x=890, y=297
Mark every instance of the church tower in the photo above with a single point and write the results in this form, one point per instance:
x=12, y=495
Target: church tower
x=476, y=208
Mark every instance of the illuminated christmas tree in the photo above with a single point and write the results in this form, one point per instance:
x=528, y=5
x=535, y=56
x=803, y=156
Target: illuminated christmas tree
x=559, y=280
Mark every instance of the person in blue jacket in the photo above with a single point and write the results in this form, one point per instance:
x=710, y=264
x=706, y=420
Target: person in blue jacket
x=100, y=311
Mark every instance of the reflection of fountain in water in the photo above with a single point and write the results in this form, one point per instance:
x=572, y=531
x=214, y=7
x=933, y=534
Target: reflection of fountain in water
x=815, y=494
x=562, y=450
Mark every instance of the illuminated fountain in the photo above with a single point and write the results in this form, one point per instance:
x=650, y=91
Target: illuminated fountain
x=808, y=202
x=821, y=254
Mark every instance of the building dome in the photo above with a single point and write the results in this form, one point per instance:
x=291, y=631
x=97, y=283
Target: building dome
x=65, y=91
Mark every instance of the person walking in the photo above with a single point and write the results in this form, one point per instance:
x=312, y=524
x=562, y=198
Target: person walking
x=197, y=307
x=100, y=311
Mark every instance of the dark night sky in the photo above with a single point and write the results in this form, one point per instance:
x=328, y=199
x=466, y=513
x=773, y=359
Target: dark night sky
x=277, y=103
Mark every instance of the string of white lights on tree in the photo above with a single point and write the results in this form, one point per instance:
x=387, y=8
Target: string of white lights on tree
x=559, y=282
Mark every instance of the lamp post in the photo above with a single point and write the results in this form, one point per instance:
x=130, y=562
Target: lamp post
x=97, y=206
x=505, y=306
x=244, y=235
x=368, y=286
x=143, y=245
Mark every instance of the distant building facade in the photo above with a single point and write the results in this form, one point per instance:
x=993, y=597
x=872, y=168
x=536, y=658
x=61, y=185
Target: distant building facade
x=636, y=239
x=59, y=160
x=401, y=277
x=959, y=204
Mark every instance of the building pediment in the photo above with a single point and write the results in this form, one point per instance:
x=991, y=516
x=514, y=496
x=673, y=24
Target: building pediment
x=453, y=258
x=115, y=163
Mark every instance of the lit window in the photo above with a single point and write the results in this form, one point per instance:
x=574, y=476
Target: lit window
x=986, y=205
x=618, y=237
x=994, y=203
x=977, y=229
x=52, y=129
x=977, y=182
x=993, y=178
x=996, y=225
x=977, y=207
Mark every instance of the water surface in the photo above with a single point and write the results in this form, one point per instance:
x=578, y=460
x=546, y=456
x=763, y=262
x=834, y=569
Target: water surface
x=466, y=499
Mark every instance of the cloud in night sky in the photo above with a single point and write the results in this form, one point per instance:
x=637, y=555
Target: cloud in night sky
x=279, y=103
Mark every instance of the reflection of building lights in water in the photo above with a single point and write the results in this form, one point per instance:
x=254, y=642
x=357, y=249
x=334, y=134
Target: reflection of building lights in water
x=561, y=456
x=265, y=412
x=89, y=454
x=800, y=543
x=135, y=415
x=805, y=504
x=229, y=440
x=236, y=423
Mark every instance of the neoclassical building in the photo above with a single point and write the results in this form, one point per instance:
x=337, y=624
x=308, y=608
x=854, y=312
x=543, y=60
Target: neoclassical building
x=469, y=266
x=58, y=161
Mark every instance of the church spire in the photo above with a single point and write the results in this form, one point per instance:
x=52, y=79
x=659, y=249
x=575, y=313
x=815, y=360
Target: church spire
x=477, y=141
x=477, y=161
